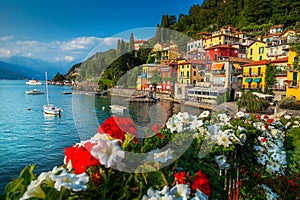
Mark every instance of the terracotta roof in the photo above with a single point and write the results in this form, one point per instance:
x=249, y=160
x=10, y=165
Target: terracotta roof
x=221, y=46
x=277, y=26
x=239, y=60
x=139, y=41
x=280, y=60
x=196, y=61
x=260, y=62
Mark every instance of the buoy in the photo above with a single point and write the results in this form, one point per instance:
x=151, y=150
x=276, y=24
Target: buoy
x=28, y=108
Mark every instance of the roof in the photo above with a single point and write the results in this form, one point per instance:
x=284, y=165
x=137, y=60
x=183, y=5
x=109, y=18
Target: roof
x=280, y=60
x=260, y=62
x=222, y=46
x=239, y=60
x=277, y=26
x=256, y=41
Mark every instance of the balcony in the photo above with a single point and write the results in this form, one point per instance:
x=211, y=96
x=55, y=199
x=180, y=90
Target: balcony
x=273, y=54
x=218, y=72
x=253, y=74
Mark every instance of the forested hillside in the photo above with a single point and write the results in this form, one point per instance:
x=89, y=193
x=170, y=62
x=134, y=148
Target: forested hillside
x=246, y=15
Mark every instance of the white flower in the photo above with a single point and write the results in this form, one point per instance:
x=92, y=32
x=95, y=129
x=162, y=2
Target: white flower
x=240, y=114
x=200, y=196
x=221, y=161
x=75, y=182
x=223, y=118
x=270, y=195
x=158, y=195
x=222, y=139
x=34, y=190
x=204, y=114
x=108, y=152
x=273, y=166
x=262, y=159
x=180, y=191
x=243, y=138
x=287, y=117
x=196, y=124
x=163, y=156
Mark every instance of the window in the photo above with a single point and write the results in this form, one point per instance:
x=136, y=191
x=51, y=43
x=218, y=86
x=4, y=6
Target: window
x=188, y=74
x=295, y=79
x=194, y=73
x=250, y=71
x=181, y=74
x=251, y=51
x=260, y=50
x=182, y=66
x=260, y=57
x=216, y=57
x=258, y=71
x=234, y=79
x=179, y=91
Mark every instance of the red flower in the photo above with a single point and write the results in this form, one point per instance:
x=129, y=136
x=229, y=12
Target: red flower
x=270, y=120
x=263, y=139
x=266, y=126
x=80, y=158
x=156, y=131
x=180, y=178
x=257, y=117
x=116, y=127
x=292, y=183
x=266, y=117
x=201, y=183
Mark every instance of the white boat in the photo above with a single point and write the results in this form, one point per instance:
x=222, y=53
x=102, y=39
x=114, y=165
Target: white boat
x=118, y=110
x=34, y=82
x=34, y=92
x=50, y=109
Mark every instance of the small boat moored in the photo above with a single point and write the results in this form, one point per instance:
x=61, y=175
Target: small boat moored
x=34, y=82
x=34, y=92
x=51, y=109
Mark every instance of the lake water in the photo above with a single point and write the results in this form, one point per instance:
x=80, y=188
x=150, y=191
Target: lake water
x=30, y=137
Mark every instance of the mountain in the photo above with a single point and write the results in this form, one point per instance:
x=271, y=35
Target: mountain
x=14, y=72
x=39, y=65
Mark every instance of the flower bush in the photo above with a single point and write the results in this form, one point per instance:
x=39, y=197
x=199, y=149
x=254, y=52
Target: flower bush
x=211, y=156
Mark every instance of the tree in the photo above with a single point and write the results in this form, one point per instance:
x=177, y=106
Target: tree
x=251, y=103
x=131, y=43
x=58, y=77
x=270, y=78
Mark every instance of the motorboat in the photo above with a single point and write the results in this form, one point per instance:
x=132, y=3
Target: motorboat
x=34, y=92
x=34, y=82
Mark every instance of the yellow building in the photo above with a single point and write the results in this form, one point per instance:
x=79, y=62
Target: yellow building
x=292, y=58
x=254, y=75
x=257, y=51
x=293, y=81
x=220, y=39
x=293, y=77
x=188, y=73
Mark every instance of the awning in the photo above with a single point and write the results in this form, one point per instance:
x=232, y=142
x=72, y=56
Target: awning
x=217, y=66
x=237, y=66
x=248, y=80
x=257, y=80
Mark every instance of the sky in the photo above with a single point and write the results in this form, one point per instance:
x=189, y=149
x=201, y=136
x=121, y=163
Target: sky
x=66, y=31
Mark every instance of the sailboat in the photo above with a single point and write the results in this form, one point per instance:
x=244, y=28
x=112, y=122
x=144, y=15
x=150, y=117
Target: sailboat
x=49, y=108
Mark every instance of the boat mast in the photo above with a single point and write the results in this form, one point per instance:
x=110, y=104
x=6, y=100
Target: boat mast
x=47, y=88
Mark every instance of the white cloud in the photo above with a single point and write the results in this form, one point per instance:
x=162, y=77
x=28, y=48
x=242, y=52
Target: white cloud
x=5, y=38
x=69, y=58
x=111, y=41
x=4, y=52
x=79, y=43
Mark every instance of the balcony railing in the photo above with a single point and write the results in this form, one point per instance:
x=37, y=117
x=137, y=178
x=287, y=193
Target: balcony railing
x=253, y=74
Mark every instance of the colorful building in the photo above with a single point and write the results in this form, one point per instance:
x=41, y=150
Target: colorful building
x=293, y=81
x=188, y=73
x=221, y=52
x=281, y=69
x=257, y=51
x=293, y=77
x=254, y=75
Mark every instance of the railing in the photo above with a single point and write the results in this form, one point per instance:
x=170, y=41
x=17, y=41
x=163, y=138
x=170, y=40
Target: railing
x=253, y=74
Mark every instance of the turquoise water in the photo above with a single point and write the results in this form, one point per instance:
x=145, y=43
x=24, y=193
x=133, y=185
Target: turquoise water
x=29, y=137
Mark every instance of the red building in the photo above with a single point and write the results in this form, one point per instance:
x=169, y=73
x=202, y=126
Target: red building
x=169, y=77
x=221, y=52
